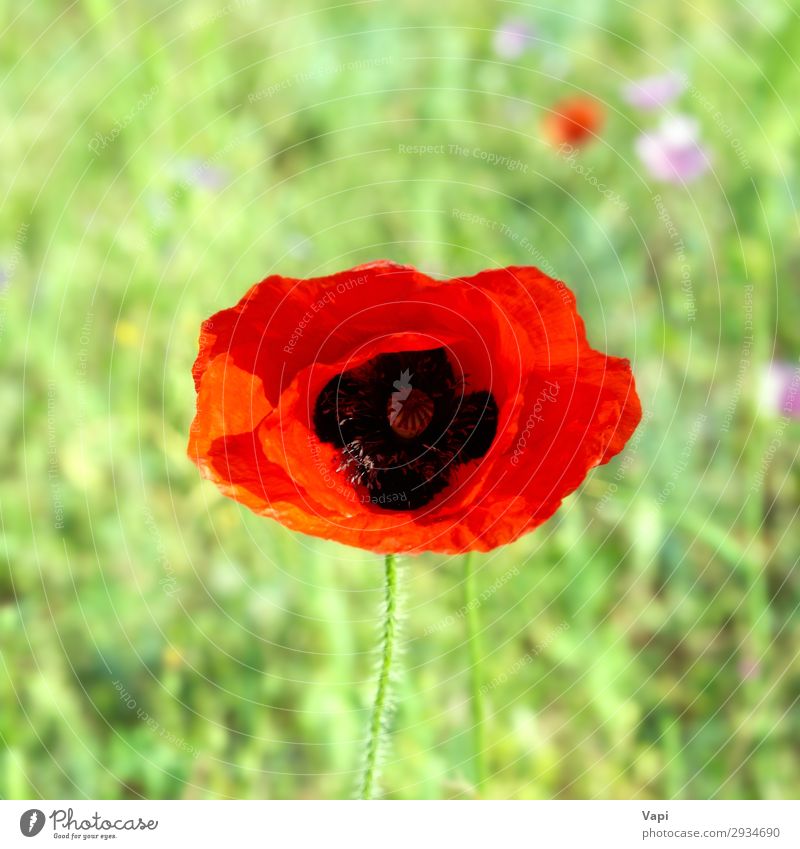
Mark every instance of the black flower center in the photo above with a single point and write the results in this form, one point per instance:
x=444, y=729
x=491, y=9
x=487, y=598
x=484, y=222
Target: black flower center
x=403, y=423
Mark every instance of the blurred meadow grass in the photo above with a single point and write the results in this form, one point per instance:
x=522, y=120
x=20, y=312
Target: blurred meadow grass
x=160, y=641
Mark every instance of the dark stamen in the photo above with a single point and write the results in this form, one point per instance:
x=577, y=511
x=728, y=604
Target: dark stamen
x=403, y=422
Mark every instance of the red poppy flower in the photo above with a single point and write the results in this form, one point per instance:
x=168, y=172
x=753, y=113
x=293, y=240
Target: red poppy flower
x=394, y=412
x=574, y=121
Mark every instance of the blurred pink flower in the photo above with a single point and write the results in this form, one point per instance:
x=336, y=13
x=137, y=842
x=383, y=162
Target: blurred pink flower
x=748, y=668
x=673, y=152
x=780, y=391
x=653, y=92
x=512, y=38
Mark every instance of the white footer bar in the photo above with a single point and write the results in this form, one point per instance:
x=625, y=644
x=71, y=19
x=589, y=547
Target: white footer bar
x=404, y=825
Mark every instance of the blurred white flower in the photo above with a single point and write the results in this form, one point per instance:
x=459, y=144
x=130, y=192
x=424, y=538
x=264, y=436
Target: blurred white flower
x=654, y=92
x=780, y=389
x=673, y=152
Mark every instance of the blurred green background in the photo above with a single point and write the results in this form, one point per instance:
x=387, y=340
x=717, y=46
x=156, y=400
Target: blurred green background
x=160, y=641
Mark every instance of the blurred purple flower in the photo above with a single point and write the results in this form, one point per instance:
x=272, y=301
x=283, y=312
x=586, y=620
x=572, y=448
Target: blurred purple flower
x=512, y=38
x=204, y=175
x=673, y=152
x=781, y=389
x=653, y=92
